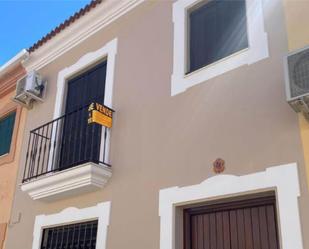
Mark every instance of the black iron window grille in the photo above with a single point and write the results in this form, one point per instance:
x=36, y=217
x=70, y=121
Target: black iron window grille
x=80, y=235
x=64, y=143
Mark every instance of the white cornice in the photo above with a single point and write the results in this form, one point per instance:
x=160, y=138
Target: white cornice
x=79, y=31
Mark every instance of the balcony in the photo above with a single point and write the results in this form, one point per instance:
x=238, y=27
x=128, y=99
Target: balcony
x=66, y=156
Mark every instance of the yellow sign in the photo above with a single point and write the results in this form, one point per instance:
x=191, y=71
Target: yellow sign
x=100, y=114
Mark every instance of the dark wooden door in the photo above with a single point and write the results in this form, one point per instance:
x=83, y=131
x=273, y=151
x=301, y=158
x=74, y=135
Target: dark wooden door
x=80, y=141
x=249, y=224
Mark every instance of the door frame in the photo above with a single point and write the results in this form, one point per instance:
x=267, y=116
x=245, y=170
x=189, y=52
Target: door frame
x=282, y=179
x=108, y=51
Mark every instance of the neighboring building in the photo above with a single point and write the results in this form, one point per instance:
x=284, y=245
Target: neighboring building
x=204, y=152
x=298, y=38
x=12, y=120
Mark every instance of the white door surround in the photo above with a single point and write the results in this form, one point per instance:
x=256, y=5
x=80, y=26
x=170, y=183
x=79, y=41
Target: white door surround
x=109, y=51
x=282, y=179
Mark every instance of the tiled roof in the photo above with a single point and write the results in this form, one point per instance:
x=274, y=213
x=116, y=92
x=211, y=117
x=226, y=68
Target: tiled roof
x=65, y=24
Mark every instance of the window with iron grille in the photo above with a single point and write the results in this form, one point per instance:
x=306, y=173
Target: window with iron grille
x=79, y=236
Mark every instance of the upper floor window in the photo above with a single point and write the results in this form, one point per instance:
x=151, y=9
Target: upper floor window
x=217, y=29
x=6, y=132
x=213, y=37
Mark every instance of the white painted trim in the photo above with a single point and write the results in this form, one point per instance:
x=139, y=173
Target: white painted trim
x=73, y=181
x=258, y=47
x=283, y=179
x=101, y=212
x=91, y=23
x=109, y=51
x=18, y=58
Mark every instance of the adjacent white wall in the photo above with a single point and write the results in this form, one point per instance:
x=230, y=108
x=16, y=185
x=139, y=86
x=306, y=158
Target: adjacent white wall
x=283, y=179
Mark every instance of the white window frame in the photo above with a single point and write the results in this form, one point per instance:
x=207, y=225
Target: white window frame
x=257, y=49
x=282, y=179
x=100, y=212
x=108, y=51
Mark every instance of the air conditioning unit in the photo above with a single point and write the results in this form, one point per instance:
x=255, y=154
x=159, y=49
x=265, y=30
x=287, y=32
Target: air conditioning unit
x=297, y=80
x=29, y=89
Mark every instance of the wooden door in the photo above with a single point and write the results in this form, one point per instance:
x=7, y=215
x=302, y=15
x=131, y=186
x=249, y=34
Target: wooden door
x=249, y=224
x=80, y=141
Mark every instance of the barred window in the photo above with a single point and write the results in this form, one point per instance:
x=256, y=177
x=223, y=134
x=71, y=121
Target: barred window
x=80, y=235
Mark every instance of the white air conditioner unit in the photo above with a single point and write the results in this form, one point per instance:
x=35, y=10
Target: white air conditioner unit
x=297, y=80
x=30, y=88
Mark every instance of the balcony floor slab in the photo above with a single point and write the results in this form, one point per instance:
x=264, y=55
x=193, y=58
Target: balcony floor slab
x=67, y=183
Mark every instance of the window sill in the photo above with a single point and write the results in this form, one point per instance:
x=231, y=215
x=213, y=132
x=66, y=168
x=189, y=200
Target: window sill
x=4, y=155
x=209, y=66
x=181, y=82
x=74, y=181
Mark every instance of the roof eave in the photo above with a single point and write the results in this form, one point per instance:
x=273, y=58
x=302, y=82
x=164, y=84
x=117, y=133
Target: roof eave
x=13, y=62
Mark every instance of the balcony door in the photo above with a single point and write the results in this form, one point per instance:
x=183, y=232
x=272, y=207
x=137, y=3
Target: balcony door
x=80, y=141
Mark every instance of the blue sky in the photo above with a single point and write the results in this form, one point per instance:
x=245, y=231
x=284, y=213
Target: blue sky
x=23, y=22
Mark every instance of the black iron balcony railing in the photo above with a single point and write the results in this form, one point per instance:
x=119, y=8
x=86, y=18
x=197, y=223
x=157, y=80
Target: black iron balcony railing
x=63, y=143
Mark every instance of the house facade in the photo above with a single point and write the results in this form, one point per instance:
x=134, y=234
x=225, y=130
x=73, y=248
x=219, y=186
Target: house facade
x=12, y=120
x=203, y=150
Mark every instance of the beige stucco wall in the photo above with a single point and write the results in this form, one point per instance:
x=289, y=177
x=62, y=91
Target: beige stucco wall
x=160, y=141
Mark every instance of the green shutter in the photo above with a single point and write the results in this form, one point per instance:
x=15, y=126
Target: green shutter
x=6, y=132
